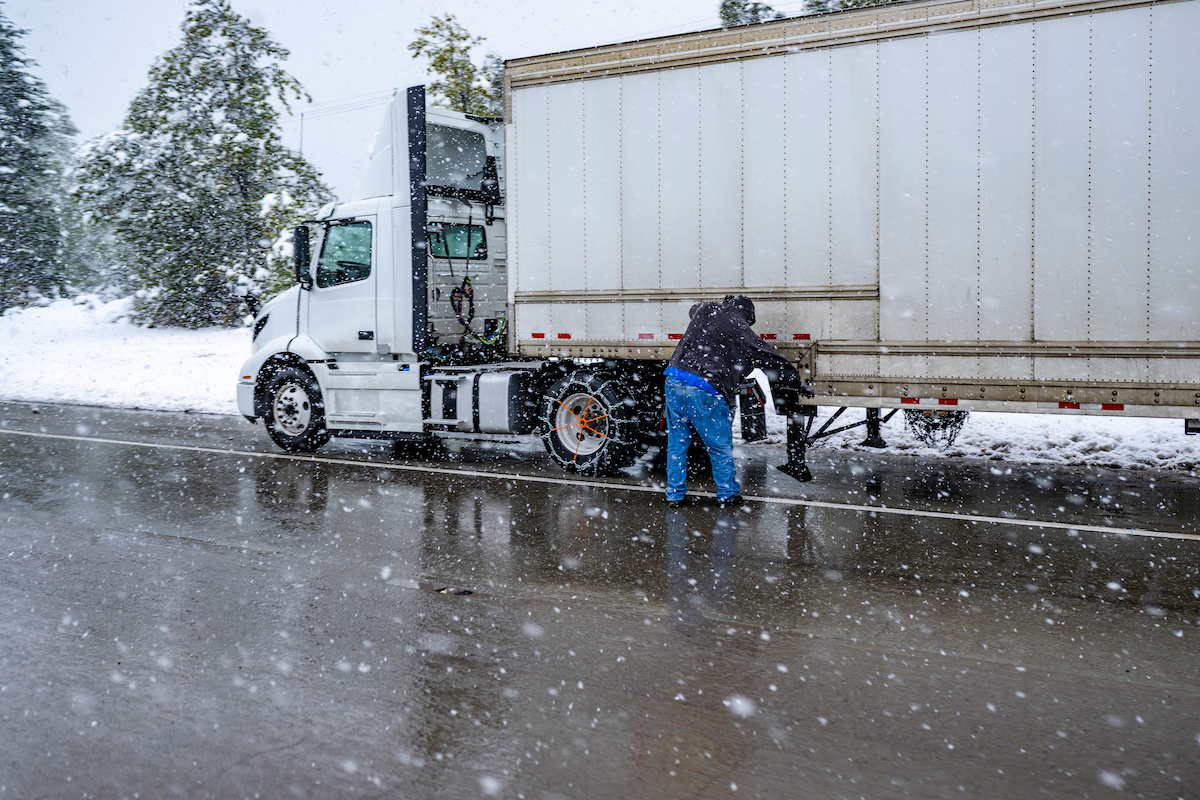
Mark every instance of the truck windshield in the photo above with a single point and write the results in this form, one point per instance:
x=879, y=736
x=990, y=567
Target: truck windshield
x=454, y=241
x=455, y=158
x=346, y=255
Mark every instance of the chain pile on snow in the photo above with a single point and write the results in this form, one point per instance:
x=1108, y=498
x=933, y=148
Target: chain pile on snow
x=935, y=428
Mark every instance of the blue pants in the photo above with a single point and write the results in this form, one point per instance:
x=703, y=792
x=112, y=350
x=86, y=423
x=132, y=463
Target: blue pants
x=691, y=408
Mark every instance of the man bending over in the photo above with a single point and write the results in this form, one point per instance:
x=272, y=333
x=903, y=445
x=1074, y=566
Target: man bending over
x=712, y=359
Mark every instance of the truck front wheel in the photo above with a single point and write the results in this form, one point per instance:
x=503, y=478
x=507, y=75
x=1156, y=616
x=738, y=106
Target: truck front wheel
x=295, y=415
x=591, y=423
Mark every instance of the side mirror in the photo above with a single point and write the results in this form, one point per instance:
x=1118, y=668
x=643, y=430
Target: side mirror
x=300, y=254
x=242, y=292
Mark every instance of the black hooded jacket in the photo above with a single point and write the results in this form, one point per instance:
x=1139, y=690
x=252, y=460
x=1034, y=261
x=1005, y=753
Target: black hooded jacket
x=721, y=348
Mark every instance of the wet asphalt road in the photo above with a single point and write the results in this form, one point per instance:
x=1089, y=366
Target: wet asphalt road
x=191, y=613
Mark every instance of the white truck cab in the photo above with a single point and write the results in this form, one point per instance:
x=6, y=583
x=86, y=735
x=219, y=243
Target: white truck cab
x=410, y=269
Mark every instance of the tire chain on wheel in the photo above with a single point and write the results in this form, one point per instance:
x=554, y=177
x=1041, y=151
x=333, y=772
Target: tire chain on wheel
x=621, y=439
x=935, y=428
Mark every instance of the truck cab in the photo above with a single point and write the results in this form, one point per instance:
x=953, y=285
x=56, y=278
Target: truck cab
x=411, y=268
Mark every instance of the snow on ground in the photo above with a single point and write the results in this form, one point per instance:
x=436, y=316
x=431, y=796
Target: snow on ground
x=85, y=351
x=1122, y=442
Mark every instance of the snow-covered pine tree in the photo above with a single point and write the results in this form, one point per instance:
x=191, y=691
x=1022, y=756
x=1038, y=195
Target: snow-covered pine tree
x=818, y=6
x=743, y=12
x=493, y=74
x=35, y=141
x=198, y=182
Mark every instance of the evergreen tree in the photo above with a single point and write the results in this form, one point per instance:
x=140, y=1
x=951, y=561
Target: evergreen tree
x=94, y=260
x=493, y=73
x=818, y=6
x=35, y=141
x=741, y=12
x=198, y=183
x=460, y=85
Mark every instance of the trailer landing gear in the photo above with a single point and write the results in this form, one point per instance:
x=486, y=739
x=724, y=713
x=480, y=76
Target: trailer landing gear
x=798, y=426
x=874, y=437
x=798, y=436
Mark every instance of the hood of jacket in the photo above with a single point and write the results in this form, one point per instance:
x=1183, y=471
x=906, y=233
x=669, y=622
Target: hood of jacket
x=744, y=305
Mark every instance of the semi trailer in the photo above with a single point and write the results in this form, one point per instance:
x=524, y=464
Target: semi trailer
x=936, y=206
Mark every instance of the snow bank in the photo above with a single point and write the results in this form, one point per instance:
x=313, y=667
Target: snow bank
x=86, y=351
x=1121, y=442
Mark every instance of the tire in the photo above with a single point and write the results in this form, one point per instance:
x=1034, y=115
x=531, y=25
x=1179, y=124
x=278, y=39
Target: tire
x=295, y=411
x=591, y=424
x=699, y=465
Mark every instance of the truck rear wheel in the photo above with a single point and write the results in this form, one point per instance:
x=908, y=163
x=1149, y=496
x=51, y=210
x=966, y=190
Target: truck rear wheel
x=591, y=423
x=295, y=413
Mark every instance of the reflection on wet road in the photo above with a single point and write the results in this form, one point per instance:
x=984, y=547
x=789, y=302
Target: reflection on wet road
x=219, y=620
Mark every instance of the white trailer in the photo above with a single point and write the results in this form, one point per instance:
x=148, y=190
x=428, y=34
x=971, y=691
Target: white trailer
x=936, y=205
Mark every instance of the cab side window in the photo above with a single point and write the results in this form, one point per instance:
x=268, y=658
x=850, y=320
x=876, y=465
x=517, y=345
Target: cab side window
x=458, y=241
x=345, y=255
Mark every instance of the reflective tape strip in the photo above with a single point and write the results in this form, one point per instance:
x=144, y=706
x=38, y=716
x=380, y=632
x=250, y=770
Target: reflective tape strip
x=798, y=336
x=537, y=335
x=1083, y=406
x=674, y=335
x=922, y=401
x=564, y=336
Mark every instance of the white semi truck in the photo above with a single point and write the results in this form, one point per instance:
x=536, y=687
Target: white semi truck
x=938, y=205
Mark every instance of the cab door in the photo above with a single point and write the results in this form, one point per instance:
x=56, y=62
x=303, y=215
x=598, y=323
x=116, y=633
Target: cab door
x=341, y=304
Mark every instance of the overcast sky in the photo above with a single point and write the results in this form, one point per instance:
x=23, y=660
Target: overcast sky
x=94, y=55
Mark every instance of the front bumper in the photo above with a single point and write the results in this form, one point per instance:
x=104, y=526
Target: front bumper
x=245, y=399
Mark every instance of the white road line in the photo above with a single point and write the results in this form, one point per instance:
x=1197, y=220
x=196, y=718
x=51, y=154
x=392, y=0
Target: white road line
x=508, y=476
